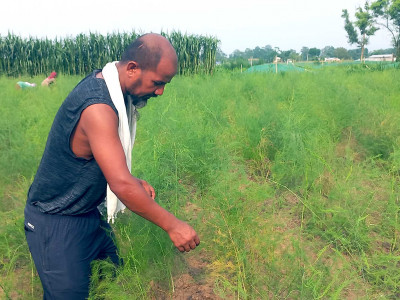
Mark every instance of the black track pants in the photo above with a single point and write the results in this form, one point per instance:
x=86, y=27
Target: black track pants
x=63, y=248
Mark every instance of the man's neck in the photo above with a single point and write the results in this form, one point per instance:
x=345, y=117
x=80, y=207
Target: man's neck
x=100, y=75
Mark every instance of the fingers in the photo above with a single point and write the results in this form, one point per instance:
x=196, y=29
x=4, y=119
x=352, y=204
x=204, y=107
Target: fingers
x=149, y=192
x=191, y=245
x=149, y=189
x=183, y=236
x=197, y=240
x=186, y=248
x=152, y=192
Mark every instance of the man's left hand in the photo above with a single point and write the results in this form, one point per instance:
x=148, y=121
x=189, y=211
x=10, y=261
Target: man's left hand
x=149, y=189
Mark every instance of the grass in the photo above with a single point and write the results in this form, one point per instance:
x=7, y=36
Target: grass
x=291, y=180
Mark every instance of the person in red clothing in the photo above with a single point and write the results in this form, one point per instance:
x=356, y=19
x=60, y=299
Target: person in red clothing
x=50, y=80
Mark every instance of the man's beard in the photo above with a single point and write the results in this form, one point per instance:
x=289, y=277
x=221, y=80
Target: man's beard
x=139, y=102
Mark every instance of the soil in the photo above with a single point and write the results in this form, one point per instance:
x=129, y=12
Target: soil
x=193, y=284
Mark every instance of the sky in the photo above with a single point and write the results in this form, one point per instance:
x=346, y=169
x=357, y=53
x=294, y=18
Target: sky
x=287, y=24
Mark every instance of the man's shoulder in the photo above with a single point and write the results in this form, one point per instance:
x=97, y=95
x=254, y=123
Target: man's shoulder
x=87, y=92
x=90, y=88
x=91, y=84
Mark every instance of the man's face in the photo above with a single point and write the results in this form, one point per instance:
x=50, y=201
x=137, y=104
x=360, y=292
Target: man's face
x=151, y=83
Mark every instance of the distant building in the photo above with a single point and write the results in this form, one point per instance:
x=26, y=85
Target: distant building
x=251, y=59
x=381, y=57
x=332, y=59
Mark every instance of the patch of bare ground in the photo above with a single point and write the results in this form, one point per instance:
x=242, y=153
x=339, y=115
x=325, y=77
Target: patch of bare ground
x=11, y=199
x=325, y=182
x=381, y=195
x=383, y=244
x=288, y=217
x=258, y=170
x=22, y=287
x=195, y=283
x=195, y=280
x=348, y=146
x=2, y=294
x=192, y=211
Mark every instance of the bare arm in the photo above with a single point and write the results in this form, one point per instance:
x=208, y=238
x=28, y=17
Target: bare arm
x=100, y=125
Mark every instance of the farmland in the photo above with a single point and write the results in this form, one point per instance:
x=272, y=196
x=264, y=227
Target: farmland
x=80, y=54
x=290, y=179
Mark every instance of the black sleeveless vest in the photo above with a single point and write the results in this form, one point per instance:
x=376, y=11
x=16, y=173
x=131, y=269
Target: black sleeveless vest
x=64, y=183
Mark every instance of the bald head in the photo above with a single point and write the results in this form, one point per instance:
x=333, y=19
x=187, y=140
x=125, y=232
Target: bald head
x=148, y=50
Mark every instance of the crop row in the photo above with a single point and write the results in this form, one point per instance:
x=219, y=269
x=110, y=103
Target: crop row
x=80, y=54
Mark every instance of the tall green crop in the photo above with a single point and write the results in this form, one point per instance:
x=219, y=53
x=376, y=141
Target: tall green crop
x=80, y=54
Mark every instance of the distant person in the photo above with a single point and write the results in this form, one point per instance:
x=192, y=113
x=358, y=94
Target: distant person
x=50, y=80
x=88, y=147
x=24, y=85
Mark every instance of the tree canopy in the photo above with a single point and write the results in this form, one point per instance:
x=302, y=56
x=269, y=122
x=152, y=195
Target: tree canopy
x=387, y=13
x=365, y=24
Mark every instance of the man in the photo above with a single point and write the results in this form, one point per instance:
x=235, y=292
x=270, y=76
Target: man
x=83, y=153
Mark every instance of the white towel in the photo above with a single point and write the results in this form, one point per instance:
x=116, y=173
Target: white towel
x=126, y=130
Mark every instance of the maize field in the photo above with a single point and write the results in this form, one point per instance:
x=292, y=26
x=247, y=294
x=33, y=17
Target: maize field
x=81, y=54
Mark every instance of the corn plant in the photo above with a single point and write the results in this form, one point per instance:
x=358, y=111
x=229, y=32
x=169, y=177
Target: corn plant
x=80, y=54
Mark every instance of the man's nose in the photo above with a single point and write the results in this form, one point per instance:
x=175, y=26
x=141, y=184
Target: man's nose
x=159, y=91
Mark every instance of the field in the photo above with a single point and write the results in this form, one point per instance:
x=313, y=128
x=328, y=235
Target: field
x=290, y=179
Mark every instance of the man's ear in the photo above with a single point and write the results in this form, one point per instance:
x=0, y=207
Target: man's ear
x=132, y=68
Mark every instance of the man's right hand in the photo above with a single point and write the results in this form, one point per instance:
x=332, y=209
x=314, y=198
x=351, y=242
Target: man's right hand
x=183, y=236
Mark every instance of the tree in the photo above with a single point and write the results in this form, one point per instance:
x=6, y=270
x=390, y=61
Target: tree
x=388, y=11
x=383, y=51
x=236, y=54
x=248, y=53
x=314, y=53
x=220, y=55
x=304, y=53
x=294, y=56
x=269, y=53
x=356, y=53
x=341, y=53
x=364, y=24
x=289, y=54
x=328, y=51
x=258, y=52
